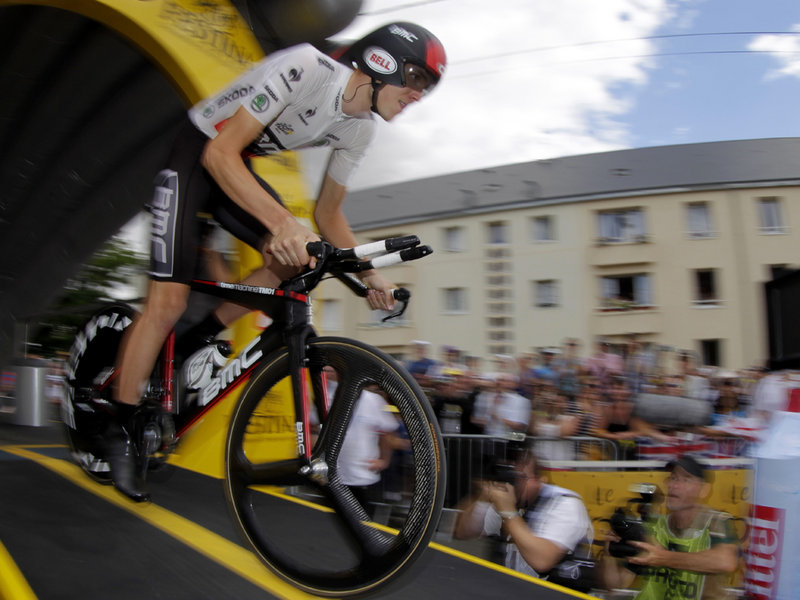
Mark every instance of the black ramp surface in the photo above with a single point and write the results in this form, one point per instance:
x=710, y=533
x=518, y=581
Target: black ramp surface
x=71, y=543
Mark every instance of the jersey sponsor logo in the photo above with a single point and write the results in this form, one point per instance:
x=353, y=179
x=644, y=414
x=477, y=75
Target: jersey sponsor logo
x=380, y=60
x=271, y=93
x=234, y=95
x=403, y=33
x=307, y=115
x=333, y=137
x=209, y=111
x=285, y=128
x=322, y=62
x=337, y=100
x=295, y=75
x=260, y=103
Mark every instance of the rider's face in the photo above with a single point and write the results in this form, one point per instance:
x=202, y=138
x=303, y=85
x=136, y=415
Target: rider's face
x=392, y=100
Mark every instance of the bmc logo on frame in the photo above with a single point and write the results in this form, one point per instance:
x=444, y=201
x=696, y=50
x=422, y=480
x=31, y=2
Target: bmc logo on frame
x=764, y=554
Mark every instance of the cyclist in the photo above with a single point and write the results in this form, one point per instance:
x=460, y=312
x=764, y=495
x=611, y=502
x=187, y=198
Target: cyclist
x=295, y=98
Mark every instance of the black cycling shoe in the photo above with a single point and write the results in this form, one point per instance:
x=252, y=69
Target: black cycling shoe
x=121, y=457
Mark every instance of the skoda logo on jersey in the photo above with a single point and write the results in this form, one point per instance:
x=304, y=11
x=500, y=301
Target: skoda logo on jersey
x=260, y=103
x=209, y=111
x=380, y=60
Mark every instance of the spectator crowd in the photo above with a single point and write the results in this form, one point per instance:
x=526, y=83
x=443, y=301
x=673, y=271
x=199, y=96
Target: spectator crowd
x=610, y=394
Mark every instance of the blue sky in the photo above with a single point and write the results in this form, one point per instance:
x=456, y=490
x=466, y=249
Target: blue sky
x=708, y=97
x=537, y=79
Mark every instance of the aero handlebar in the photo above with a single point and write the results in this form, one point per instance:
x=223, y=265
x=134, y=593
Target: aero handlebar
x=342, y=262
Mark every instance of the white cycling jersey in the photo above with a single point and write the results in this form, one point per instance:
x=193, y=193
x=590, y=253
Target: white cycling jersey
x=297, y=95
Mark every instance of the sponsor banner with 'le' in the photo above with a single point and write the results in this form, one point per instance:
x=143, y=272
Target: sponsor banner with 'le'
x=764, y=552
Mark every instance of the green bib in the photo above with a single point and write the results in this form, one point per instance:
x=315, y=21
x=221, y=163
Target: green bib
x=662, y=583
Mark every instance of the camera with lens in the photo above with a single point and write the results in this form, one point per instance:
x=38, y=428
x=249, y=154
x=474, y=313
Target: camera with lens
x=503, y=472
x=628, y=522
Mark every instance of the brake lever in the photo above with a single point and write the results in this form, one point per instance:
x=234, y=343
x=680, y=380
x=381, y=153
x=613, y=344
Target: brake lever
x=402, y=295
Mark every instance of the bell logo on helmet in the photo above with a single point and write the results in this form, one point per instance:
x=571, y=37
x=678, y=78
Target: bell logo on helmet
x=380, y=60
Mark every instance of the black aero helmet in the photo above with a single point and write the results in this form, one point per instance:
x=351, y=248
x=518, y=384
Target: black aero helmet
x=390, y=53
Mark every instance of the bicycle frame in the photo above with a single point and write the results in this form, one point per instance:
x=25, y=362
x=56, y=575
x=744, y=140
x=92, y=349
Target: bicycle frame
x=289, y=307
x=290, y=314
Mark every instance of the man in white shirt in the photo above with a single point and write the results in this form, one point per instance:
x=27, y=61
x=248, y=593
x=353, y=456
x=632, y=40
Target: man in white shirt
x=541, y=523
x=500, y=410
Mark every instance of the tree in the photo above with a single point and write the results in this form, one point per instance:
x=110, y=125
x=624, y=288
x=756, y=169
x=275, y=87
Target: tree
x=108, y=272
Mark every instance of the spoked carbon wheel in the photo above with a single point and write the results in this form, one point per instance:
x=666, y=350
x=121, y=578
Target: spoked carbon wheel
x=368, y=502
x=85, y=409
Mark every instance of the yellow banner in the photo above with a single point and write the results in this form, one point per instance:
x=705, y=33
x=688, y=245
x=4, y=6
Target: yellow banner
x=603, y=491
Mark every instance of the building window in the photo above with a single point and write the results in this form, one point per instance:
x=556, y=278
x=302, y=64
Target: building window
x=543, y=229
x=499, y=308
x=497, y=233
x=500, y=322
x=331, y=315
x=771, y=215
x=497, y=253
x=618, y=226
x=498, y=266
x=495, y=280
x=545, y=293
x=698, y=220
x=454, y=300
x=710, y=352
x=498, y=293
x=455, y=239
x=625, y=292
x=499, y=336
x=705, y=287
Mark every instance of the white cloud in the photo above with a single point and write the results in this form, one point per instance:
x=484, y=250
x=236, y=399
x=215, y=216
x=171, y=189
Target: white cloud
x=526, y=80
x=784, y=48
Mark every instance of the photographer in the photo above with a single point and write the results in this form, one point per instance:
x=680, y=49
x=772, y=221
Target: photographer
x=543, y=526
x=690, y=550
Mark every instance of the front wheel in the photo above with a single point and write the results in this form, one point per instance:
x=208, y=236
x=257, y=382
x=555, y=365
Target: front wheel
x=365, y=506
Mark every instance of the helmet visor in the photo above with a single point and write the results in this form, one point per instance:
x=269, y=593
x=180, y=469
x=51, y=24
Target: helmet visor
x=418, y=78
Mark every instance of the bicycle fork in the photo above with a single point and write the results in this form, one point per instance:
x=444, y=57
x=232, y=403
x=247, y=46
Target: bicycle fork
x=313, y=467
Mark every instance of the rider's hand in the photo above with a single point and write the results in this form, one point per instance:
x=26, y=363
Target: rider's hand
x=288, y=244
x=379, y=296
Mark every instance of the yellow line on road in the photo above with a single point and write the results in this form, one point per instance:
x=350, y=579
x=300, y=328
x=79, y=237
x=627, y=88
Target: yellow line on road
x=209, y=544
x=13, y=585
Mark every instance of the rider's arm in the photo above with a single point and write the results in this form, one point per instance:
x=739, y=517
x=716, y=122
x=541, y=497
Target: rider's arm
x=335, y=229
x=222, y=157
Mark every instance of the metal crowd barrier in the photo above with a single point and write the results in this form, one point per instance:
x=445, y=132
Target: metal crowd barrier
x=472, y=456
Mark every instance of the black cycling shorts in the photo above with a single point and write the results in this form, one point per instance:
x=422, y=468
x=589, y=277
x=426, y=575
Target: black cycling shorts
x=183, y=190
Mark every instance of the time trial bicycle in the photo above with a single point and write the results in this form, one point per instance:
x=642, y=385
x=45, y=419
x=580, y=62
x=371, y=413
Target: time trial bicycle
x=298, y=513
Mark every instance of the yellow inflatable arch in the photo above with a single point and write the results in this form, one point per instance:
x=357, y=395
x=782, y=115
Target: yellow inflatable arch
x=200, y=46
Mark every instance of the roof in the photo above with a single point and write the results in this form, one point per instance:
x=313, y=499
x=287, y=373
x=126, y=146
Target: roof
x=663, y=169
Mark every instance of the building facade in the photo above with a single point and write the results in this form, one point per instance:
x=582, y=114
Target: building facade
x=670, y=245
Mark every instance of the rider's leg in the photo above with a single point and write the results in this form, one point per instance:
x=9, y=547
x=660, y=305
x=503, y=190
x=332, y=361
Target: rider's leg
x=166, y=302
